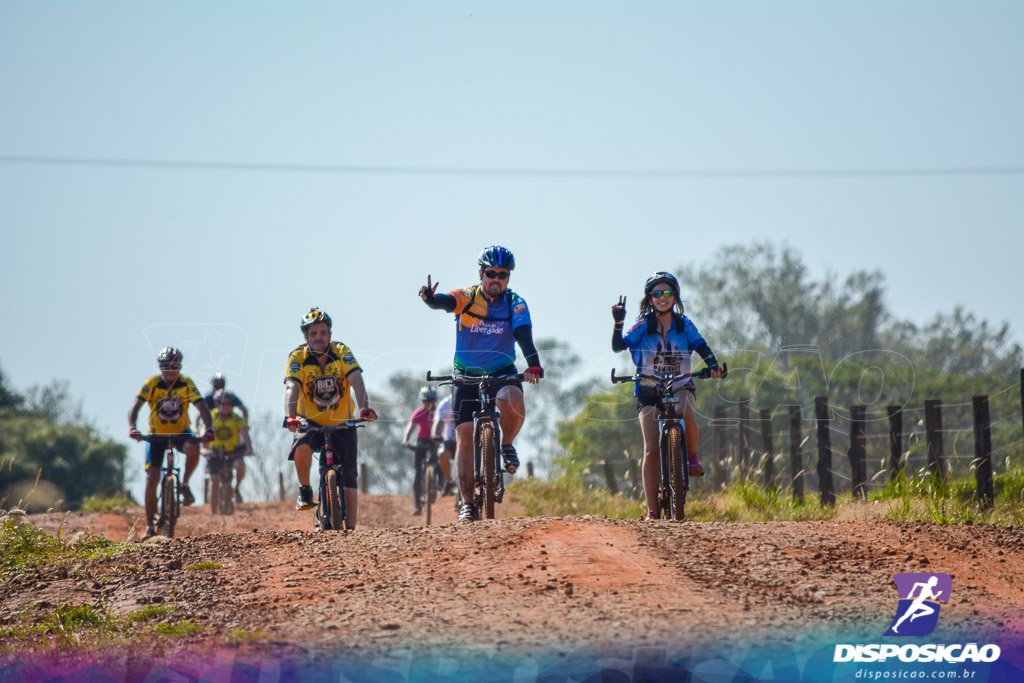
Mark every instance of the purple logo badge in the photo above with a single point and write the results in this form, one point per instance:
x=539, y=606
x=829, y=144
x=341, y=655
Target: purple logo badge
x=918, y=611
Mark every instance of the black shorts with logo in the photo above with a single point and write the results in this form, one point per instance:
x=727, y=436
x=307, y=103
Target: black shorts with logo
x=466, y=400
x=158, y=444
x=344, y=442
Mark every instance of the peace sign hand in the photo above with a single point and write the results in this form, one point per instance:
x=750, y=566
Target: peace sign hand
x=427, y=292
x=619, y=310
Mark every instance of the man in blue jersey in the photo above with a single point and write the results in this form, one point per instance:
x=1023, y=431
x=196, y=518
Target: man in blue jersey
x=490, y=320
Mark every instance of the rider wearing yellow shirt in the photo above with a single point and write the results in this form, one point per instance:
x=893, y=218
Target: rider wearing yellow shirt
x=317, y=381
x=231, y=434
x=168, y=396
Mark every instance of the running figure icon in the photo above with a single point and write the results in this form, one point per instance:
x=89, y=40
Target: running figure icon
x=917, y=607
x=921, y=597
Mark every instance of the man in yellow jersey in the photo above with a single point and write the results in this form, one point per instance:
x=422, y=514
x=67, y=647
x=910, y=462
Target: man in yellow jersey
x=316, y=389
x=168, y=396
x=230, y=436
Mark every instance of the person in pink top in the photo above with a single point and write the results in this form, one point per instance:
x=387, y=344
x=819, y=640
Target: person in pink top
x=422, y=421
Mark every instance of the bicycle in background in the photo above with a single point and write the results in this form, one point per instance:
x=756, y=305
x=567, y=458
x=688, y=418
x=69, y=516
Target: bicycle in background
x=169, y=490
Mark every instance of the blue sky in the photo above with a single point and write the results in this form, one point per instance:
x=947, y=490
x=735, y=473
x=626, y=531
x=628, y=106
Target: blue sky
x=199, y=174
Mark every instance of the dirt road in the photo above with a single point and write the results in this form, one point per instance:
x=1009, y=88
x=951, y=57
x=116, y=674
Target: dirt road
x=519, y=585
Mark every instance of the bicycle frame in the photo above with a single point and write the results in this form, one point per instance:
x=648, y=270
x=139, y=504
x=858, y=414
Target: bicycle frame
x=489, y=489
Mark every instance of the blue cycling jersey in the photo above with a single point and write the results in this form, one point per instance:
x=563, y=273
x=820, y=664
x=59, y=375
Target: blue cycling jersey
x=658, y=355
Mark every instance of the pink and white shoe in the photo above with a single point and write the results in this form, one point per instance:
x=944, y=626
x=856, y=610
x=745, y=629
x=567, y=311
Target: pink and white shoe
x=696, y=469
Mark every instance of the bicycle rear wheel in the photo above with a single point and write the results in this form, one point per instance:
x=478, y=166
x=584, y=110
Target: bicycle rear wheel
x=677, y=482
x=168, y=506
x=333, y=499
x=489, y=465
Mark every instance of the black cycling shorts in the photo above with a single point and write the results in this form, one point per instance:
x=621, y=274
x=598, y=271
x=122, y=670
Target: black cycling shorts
x=652, y=399
x=215, y=460
x=344, y=443
x=157, y=445
x=466, y=400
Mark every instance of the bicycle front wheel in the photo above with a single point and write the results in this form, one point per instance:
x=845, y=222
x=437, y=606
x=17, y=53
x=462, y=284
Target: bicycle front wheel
x=489, y=465
x=168, y=506
x=677, y=482
x=227, y=493
x=431, y=489
x=333, y=499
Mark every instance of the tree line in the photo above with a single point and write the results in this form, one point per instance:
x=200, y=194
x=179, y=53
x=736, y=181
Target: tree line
x=50, y=455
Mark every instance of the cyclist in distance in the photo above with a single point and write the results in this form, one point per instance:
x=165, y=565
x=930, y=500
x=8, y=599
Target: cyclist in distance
x=444, y=432
x=661, y=342
x=230, y=438
x=422, y=419
x=317, y=380
x=218, y=383
x=168, y=396
x=490, y=319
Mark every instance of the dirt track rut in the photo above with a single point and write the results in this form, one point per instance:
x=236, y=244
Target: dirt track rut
x=517, y=584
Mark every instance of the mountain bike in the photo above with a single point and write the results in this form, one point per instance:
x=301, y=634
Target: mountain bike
x=331, y=512
x=488, y=478
x=222, y=490
x=427, y=471
x=169, y=490
x=433, y=478
x=675, y=471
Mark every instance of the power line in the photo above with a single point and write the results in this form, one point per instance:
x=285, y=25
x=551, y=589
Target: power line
x=512, y=172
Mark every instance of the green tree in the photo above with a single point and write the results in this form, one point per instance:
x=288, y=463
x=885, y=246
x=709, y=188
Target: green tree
x=49, y=455
x=789, y=338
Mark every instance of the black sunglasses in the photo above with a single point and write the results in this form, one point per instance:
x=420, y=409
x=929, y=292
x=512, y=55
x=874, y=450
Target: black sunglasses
x=496, y=275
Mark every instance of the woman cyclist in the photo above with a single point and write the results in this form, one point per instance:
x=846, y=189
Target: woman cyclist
x=661, y=342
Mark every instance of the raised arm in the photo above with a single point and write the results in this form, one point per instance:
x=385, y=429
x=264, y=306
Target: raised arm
x=618, y=315
x=445, y=302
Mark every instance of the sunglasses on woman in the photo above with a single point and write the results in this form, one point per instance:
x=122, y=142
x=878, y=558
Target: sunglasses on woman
x=667, y=293
x=496, y=275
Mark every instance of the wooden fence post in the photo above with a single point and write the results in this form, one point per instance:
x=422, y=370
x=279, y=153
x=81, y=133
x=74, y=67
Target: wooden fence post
x=983, y=452
x=529, y=469
x=933, y=435
x=280, y=486
x=721, y=447
x=858, y=451
x=364, y=478
x=895, y=441
x=609, y=477
x=825, y=485
x=796, y=458
x=769, y=448
x=744, y=442
x=634, y=474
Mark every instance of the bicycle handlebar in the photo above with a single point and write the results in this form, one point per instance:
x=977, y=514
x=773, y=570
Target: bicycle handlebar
x=667, y=379
x=461, y=380
x=305, y=426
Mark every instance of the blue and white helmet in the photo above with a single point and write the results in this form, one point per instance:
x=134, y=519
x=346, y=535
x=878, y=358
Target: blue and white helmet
x=497, y=257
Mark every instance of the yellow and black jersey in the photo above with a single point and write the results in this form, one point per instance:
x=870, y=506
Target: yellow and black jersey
x=168, y=403
x=325, y=395
x=226, y=432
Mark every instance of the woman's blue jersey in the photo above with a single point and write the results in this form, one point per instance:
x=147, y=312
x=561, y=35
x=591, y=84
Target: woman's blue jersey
x=657, y=355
